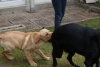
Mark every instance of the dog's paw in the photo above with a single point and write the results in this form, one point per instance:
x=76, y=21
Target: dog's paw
x=47, y=58
x=34, y=64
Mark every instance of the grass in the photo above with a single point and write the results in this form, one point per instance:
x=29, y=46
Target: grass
x=94, y=23
x=97, y=4
x=21, y=61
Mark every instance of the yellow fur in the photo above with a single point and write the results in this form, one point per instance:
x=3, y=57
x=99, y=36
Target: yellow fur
x=26, y=41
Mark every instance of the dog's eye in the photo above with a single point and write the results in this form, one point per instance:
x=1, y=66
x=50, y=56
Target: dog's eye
x=45, y=34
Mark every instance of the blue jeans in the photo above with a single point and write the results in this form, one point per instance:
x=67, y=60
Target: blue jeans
x=59, y=8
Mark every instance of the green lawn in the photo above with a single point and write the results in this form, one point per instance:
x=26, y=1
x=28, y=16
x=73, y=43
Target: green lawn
x=97, y=4
x=21, y=61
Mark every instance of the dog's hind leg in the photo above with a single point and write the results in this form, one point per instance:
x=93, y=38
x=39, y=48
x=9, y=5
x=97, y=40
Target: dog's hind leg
x=71, y=54
x=90, y=61
x=92, y=58
x=7, y=55
x=97, y=63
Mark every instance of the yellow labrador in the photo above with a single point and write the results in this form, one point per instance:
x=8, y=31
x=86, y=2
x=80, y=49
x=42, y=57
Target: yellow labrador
x=26, y=41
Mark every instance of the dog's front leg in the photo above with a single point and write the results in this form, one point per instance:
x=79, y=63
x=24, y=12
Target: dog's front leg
x=54, y=60
x=39, y=52
x=29, y=58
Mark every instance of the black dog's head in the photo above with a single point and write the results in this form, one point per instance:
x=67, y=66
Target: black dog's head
x=56, y=52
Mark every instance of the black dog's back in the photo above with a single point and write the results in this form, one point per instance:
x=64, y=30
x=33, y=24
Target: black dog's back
x=74, y=38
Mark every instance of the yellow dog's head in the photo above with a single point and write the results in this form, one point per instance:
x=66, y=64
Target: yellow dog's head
x=45, y=34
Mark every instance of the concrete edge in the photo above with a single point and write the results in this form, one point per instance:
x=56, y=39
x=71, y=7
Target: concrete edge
x=90, y=8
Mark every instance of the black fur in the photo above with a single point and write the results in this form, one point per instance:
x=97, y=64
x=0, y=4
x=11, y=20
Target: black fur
x=73, y=38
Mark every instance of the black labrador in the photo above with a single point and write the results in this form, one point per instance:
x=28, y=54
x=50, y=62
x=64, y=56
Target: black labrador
x=73, y=38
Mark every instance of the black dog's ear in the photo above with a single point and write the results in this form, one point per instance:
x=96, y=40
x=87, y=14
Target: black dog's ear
x=57, y=52
x=60, y=53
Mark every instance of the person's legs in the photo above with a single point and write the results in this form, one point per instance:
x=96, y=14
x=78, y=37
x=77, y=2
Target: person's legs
x=63, y=7
x=58, y=12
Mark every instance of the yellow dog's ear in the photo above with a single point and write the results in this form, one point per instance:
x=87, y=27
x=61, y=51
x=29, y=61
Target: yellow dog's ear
x=37, y=38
